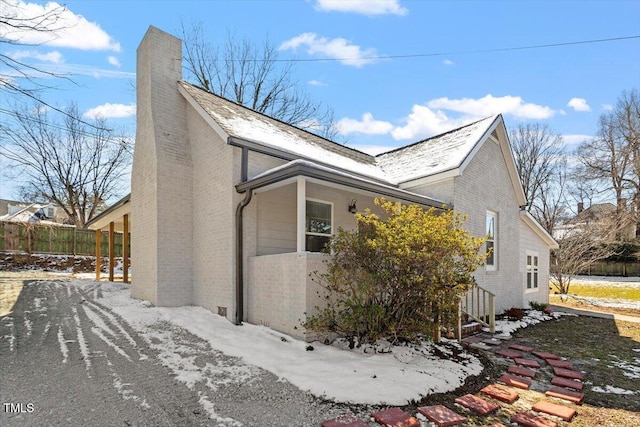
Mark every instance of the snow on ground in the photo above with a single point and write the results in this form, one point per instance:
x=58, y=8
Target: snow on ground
x=611, y=390
x=395, y=377
x=532, y=317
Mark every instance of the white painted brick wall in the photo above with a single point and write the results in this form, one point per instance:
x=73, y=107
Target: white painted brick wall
x=161, y=177
x=529, y=241
x=485, y=185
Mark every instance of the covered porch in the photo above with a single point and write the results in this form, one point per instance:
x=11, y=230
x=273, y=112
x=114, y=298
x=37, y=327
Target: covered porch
x=297, y=209
x=116, y=219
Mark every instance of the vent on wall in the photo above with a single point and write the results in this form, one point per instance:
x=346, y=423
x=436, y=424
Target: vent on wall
x=494, y=135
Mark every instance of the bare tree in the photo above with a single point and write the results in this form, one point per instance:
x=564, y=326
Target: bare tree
x=577, y=252
x=254, y=77
x=613, y=156
x=72, y=164
x=541, y=164
x=16, y=76
x=580, y=248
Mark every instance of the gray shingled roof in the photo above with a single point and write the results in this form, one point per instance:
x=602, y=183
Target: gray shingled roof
x=431, y=156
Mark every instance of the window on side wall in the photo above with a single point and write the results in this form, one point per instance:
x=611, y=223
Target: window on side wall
x=532, y=270
x=319, y=225
x=491, y=244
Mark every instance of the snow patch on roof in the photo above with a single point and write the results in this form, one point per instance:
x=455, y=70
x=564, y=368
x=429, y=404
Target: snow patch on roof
x=434, y=155
x=431, y=156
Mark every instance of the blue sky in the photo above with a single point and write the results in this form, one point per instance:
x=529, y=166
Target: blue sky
x=381, y=100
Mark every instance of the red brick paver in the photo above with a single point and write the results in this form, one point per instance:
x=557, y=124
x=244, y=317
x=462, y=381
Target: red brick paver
x=395, y=417
x=560, y=364
x=554, y=409
x=568, y=373
x=509, y=353
x=477, y=404
x=523, y=372
x=529, y=363
x=515, y=381
x=566, y=382
x=563, y=393
x=527, y=419
x=441, y=415
x=544, y=355
x=519, y=347
x=500, y=393
x=346, y=420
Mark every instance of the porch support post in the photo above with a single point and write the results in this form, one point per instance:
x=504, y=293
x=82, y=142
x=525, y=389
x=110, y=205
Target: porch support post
x=125, y=248
x=98, y=254
x=302, y=214
x=112, y=250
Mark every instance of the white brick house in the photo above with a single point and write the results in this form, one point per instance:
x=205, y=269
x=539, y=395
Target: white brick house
x=229, y=207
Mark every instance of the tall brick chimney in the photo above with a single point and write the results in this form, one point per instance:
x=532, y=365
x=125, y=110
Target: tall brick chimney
x=161, y=179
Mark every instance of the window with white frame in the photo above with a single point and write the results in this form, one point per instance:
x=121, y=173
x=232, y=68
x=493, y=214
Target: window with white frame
x=318, y=225
x=491, y=243
x=532, y=270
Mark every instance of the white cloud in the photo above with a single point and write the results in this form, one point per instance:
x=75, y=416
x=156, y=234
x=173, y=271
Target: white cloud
x=607, y=107
x=54, y=57
x=578, y=104
x=367, y=126
x=363, y=7
x=572, y=141
x=490, y=105
x=66, y=29
x=108, y=111
x=113, y=61
x=338, y=48
x=447, y=62
x=424, y=122
x=316, y=83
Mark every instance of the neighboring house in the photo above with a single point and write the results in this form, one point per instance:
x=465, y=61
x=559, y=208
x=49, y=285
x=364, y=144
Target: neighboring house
x=41, y=213
x=599, y=221
x=229, y=207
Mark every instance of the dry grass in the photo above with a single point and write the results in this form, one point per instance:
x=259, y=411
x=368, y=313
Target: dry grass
x=630, y=293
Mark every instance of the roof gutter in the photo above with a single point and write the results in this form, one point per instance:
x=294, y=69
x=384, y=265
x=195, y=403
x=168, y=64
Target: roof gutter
x=244, y=168
x=303, y=168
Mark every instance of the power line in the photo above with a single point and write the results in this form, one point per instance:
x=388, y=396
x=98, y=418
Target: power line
x=460, y=52
x=112, y=138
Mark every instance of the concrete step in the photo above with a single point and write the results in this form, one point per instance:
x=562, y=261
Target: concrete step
x=523, y=372
x=442, y=416
x=477, y=404
x=528, y=419
x=565, y=394
x=395, y=417
x=346, y=420
x=500, y=393
x=554, y=409
x=515, y=381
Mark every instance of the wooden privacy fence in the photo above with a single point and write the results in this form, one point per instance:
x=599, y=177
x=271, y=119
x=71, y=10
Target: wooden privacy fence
x=60, y=240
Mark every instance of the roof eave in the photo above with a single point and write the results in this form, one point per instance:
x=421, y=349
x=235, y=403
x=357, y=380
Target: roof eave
x=307, y=169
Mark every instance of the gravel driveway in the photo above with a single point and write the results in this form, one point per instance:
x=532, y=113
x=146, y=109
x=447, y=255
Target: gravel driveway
x=68, y=360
